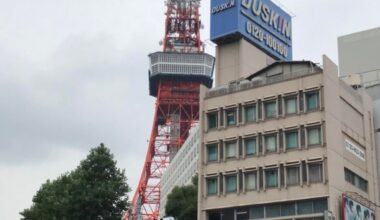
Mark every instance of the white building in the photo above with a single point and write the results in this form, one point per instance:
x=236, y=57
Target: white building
x=182, y=168
x=359, y=65
x=359, y=55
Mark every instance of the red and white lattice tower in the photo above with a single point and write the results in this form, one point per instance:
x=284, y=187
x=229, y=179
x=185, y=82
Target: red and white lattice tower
x=175, y=76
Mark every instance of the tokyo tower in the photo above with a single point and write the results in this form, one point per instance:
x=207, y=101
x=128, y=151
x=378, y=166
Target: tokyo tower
x=175, y=76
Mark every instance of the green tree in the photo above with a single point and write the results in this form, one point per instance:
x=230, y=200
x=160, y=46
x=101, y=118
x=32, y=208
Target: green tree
x=96, y=189
x=182, y=201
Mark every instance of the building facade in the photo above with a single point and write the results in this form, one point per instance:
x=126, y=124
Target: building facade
x=359, y=54
x=182, y=168
x=290, y=141
x=359, y=65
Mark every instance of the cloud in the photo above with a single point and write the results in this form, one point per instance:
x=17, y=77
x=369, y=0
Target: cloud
x=90, y=92
x=317, y=24
x=22, y=182
x=72, y=74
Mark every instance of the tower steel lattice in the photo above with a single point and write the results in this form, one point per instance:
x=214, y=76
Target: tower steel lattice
x=175, y=76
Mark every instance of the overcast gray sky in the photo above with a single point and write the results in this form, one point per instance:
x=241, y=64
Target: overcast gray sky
x=74, y=74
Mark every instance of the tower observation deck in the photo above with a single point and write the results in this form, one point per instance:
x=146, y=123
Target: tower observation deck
x=175, y=76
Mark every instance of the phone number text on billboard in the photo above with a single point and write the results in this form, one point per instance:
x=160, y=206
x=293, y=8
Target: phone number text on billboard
x=271, y=42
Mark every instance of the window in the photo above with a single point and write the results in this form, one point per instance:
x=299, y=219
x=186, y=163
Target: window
x=250, y=181
x=231, y=149
x=305, y=207
x=273, y=210
x=288, y=209
x=271, y=178
x=211, y=186
x=270, y=109
x=212, y=152
x=256, y=212
x=250, y=146
x=212, y=120
x=231, y=183
x=319, y=205
x=314, y=136
x=292, y=176
x=231, y=117
x=311, y=206
x=355, y=180
x=312, y=101
x=250, y=113
x=315, y=173
x=291, y=105
x=271, y=143
x=349, y=176
x=363, y=184
x=291, y=140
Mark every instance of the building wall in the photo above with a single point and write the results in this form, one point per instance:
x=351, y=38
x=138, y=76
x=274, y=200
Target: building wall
x=343, y=114
x=238, y=59
x=376, y=115
x=347, y=116
x=376, y=112
x=182, y=168
x=359, y=64
x=359, y=52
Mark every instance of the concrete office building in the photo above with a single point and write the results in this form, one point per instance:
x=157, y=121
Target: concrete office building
x=359, y=65
x=280, y=139
x=285, y=142
x=182, y=168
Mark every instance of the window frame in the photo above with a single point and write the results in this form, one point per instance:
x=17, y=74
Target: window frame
x=322, y=172
x=213, y=178
x=208, y=146
x=247, y=106
x=247, y=173
x=235, y=115
x=226, y=178
x=226, y=144
x=295, y=209
x=276, y=170
x=265, y=146
x=292, y=131
x=265, y=102
x=318, y=105
x=245, y=140
x=286, y=99
x=356, y=180
x=214, y=113
x=295, y=166
x=312, y=127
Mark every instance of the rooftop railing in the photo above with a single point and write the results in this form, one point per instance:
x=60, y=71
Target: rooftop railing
x=259, y=81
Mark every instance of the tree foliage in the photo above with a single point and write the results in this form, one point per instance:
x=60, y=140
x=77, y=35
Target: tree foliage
x=182, y=201
x=96, y=189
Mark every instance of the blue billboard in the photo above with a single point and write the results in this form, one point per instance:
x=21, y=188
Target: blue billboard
x=261, y=22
